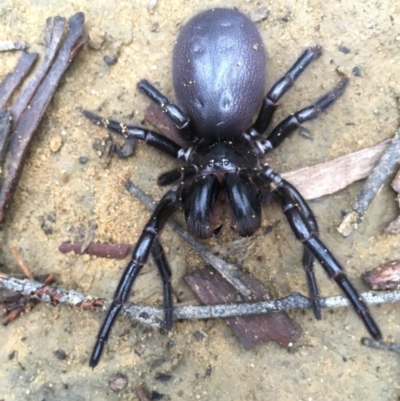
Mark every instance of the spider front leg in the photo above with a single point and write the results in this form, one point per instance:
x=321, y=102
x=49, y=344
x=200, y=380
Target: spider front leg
x=140, y=255
x=304, y=233
x=131, y=132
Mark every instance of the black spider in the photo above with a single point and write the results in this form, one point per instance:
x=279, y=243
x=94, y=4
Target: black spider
x=219, y=80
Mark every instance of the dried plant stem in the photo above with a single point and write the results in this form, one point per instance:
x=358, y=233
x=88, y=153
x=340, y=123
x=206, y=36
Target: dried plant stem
x=155, y=316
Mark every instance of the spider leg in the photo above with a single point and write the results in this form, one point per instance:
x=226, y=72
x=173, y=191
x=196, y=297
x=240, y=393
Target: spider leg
x=158, y=254
x=178, y=117
x=289, y=124
x=130, y=132
x=304, y=233
x=282, y=86
x=171, y=110
x=139, y=257
x=180, y=174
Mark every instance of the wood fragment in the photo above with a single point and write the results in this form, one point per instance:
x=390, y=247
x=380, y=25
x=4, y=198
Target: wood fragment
x=23, y=266
x=334, y=175
x=55, y=28
x=163, y=124
x=5, y=131
x=252, y=330
x=142, y=394
x=384, y=277
x=30, y=118
x=110, y=251
x=7, y=45
x=13, y=79
x=371, y=187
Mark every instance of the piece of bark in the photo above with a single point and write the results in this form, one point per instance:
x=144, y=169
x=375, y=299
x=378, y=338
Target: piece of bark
x=14, y=78
x=163, y=124
x=5, y=131
x=30, y=119
x=212, y=289
x=384, y=277
x=110, y=251
x=334, y=175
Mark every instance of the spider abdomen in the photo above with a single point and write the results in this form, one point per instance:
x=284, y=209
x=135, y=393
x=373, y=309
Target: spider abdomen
x=219, y=70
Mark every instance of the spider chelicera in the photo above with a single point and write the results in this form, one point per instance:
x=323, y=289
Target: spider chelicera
x=219, y=72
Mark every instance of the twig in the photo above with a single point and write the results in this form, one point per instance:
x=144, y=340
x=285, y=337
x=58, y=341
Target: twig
x=55, y=28
x=7, y=45
x=30, y=118
x=111, y=251
x=23, y=266
x=229, y=271
x=155, y=316
x=369, y=342
x=14, y=78
x=371, y=187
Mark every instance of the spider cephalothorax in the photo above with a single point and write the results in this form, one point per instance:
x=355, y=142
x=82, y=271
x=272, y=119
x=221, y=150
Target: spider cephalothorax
x=219, y=80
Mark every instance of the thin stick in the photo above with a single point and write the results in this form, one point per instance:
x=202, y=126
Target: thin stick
x=228, y=271
x=371, y=187
x=155, y=316
x=23, y=266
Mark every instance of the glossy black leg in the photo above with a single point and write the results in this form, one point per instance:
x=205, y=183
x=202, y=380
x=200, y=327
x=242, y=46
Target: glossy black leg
x=269, y=176
x=304, y=234
x=171, y=110
x=282, y=86
x=158, y=254
x=287, y=126
x=179, y=174
x=139, y=257
x=132, y=132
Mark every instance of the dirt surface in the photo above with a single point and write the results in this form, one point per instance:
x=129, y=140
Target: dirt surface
x=58, y=196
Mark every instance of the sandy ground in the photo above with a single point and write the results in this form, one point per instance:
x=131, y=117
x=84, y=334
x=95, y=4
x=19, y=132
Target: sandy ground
x=58, y=196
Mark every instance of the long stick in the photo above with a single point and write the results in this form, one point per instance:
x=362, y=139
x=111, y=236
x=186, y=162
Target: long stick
x=155, y=316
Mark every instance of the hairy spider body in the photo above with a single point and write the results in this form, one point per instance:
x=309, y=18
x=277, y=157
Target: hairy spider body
x=219, y=80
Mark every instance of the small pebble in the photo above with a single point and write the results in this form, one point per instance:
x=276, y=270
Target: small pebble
x=64, y=177
x=155, y=395
x=110, y=60
x=198, y=335
x=356, y=71
x=162, y=377
x=83, y=160
x=344, y=49
x=155, y=27
x=55, y=144
x=118, y=382
x=60, y=354
x=259, y=14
